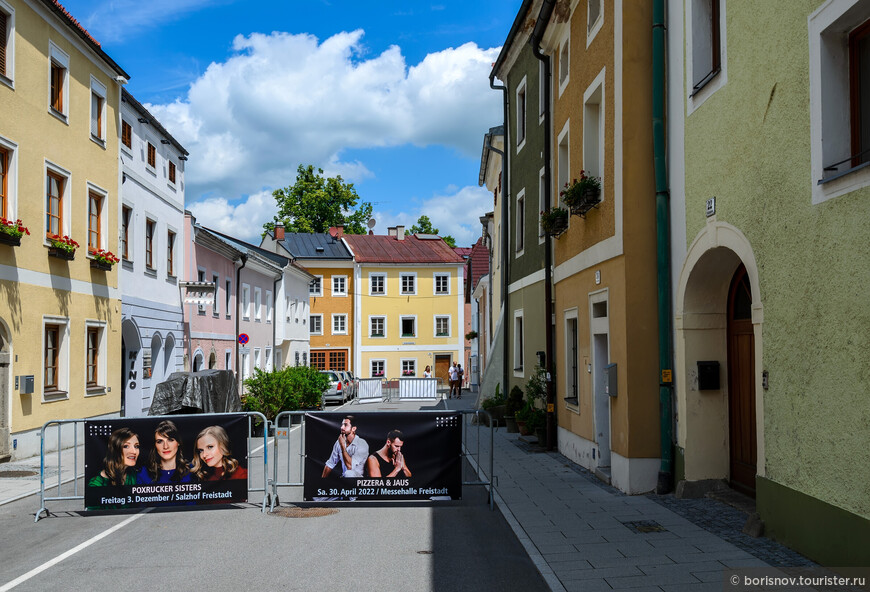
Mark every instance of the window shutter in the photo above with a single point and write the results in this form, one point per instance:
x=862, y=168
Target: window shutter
x=95, y=115
x=3, y=43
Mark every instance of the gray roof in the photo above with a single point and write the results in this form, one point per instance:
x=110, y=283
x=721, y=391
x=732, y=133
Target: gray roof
x=247, y=247
x=131, y=100
x=318, y=245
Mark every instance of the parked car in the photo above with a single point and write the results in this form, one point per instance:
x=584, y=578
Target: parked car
x=350, y=383
x=335, y=392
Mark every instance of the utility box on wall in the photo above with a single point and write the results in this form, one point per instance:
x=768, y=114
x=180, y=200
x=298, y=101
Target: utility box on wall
x=27, y=385
x=708, y=376
x=610, y=380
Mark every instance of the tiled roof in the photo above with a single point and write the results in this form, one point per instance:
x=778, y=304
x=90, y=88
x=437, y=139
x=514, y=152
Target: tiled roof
x=478, y=263
x=243, y=246
x=317, y=245
x=132, y=101
x=371, y=248
x=57, y=8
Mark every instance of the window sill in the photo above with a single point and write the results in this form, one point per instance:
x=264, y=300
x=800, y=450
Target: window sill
x=59, y=115
x=51, y=396
x=98, y=141
x=151, y=169
x=705, y=81
x=377, y=336
x=377, y=294
x=127, y=264
x=172, y=279
x=95, y=391
x=128, y=150
x=152, y=271
x=836, y=176
x=7, y=81
x=409, y=293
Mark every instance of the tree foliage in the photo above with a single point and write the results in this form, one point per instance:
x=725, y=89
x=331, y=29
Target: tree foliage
x=288, y=389
x=315, y=203
x=424, y=226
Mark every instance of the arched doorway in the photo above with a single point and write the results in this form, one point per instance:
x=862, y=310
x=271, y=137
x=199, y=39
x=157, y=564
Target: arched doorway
x=5, y=388
x=741, y=385
x=197, y=361
x=131, y=371
x=169, y=355
x=212, y=360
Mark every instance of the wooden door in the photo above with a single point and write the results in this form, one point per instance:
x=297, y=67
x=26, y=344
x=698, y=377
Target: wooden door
x=741, y=385
x=442, y=368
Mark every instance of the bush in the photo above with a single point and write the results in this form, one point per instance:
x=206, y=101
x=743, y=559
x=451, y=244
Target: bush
x=536, y=387
x=288, y=389
x=514, y=401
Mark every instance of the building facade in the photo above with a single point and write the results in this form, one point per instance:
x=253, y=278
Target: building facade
x=60, y=318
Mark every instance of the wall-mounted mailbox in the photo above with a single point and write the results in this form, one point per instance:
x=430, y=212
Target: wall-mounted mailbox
x=610, y=380
x=27, y=385
x=708, y=376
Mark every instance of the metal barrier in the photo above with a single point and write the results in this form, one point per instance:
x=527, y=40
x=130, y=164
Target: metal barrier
x=414, y=389
x=369, y=390
x=43, y=499
x=296, y=425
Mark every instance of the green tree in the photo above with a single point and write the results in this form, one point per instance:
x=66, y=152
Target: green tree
x=424, y=226
x=314, y=203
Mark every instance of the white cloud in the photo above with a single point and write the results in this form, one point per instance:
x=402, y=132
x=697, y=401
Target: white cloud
x=117, y=20
x=243, y=220
x=283, y=100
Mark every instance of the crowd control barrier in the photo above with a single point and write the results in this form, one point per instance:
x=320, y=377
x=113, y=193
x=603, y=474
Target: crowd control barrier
x=289, y=460
x=78, y=492
x=370, y=390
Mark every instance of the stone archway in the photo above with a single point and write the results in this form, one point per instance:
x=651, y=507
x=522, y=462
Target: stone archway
x=5, y=391
x=701, y=323
x=131, y=368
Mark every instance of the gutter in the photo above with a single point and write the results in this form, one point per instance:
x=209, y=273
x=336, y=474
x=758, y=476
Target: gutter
x=663, y=249
x=535, y=41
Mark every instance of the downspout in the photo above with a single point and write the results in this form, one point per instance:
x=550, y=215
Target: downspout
x=504, y=237
x=275, y=320
x=663, y=247
x=244, y=260
x=535, y=41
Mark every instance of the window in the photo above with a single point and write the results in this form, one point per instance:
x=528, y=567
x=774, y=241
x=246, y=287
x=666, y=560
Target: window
x=258, y=299
x=95, y=210
x=541, y=82
x=304, y=358
x=93, y=357
x=246, y=371
x=246, y=301
x=442, y=283
x=150, y=225
x=98, y=111
x=215, y=278
x=126, y=134
x=339, y=324
x=339, y=285
x=55, y=359
x=442, y=326
x=593, y=130
x=563, y=155
x=377, y=284
x=572, y=374
x=257, y=358
x=200, y=277
x=377, y=327
x=409, y=367
x=58, y=80
x=268, y=306
x=170, y=260
x=409, y=326
x=379, y=368
x=338, y=360
x=152, y=155
x=594, y=20
x=521, y=114
x=55, y=188
x=542, y=191
x=565, y=64
x=518, y=343
x=859, y=92
x=315, y=288
x=296, y=359
x=172, y=172
x=268, y=360
x=315, y=323
x=521, y=222
x=126, y=216
x=4, y=178
x=706, y=48
x=52, y=357
x=228, y=292
x=7, y=40
x=409, y=283
x=318, y=360
x=228, y=360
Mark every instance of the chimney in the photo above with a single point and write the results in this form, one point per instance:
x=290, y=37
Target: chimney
x=400, y=233
x=337, y=231
x=279, y=232
x=391, y=231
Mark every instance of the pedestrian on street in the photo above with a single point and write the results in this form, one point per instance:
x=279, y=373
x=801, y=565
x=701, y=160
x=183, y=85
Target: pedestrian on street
x=452, y=376
x=460, y=373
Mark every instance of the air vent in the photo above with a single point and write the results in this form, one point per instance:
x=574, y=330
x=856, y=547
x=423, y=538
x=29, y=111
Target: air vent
x=319, y=249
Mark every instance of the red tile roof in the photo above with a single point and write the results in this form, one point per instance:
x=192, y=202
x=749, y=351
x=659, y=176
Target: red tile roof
x=75, y=23
x=478, y=262
x=371, y=248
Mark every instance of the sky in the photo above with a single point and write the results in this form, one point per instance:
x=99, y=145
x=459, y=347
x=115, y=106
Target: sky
x=394, y=96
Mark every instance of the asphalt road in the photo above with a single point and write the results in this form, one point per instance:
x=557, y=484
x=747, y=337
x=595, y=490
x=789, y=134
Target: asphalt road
x=459, y=545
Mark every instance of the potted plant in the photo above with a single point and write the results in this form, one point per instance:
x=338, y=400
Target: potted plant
x=103, y=259
x=11, y=232
x=513, y=404
x=523, y=416
x=554, y=221
x=62, y=247
x=471, y=335
x=581, y=195
x=495, y=406
x=408, y=373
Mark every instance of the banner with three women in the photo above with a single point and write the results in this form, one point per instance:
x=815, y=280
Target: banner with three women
x=163, y=461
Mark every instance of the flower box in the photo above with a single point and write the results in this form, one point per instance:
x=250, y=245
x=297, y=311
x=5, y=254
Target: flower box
x=554, y=221
x=11, y=232
x=101, y=265
x=61, y=253
x=582, y=194
x=8, y=239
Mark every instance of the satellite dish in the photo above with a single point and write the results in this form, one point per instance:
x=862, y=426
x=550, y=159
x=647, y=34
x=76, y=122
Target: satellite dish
x=371, y=223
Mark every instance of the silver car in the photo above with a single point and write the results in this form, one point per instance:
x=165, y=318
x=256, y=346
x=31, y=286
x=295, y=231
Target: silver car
x=349, y=383
x=335, y=392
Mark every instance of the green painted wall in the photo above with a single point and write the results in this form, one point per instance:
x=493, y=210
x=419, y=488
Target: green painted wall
x=749, y=146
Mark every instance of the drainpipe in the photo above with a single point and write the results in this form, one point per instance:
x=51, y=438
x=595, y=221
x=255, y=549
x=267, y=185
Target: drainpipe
x=244, y=259
x=535, y=41
x=504, y=237
x=275, y=319
x=663, y=247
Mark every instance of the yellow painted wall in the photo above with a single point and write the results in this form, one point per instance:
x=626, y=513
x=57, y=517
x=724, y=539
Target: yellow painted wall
x=35, y=284
x=327, y=305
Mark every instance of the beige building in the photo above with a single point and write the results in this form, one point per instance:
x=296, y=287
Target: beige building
x=59, y=315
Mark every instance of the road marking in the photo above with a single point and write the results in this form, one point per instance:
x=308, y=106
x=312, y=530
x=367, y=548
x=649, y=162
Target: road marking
x=73, y=551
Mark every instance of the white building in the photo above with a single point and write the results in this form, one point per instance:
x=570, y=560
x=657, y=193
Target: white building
x=151, y=249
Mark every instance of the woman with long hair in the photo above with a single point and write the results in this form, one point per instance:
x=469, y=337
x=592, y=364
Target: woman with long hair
x=166, y=462
x=120, y=463
x=213, y=460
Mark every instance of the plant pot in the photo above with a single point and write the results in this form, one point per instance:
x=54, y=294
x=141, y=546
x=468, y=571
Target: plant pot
x=590, y=198
x=101, y=265
x=521, y=426
x=61, y=254
x=8, y=239
x=511, y=423
x=557, y=227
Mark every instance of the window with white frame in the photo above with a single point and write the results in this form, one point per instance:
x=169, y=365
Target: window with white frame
x=542, y=80
x=258, y=300
x=315, y=324
x=215, y=278
x=5, y=182
x=296, y=358
x=408, y=326
x=95, y=358
x=520, y=222
x=705, y=39
x=542, y=190
x=98, y=111
x=442, y=283
x=339, y=324
x=594, y=19
x=378, y=368
x=200, y=277
x=246, y=370
x=268, y=361
x=377, y=326
x=257, y=358
x=442, y=326
x=58, y=78
x=268, y=306
x=521, y=114
x=564, y=64
x=55, y=358
x=563, y=156
x=409, y=283
x=593, y=129
x=228, y=360
x=228, y=294
x=377, y=284
x=315, y=288
x=246, y=301
x=572, y=359
x=519, y=337
x=339, y=285
x=409, y=368
x=57, y=201
x=7, y=43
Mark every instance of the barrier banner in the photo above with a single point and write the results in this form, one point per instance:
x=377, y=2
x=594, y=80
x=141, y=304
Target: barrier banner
x=383, y=456
x=166, y=461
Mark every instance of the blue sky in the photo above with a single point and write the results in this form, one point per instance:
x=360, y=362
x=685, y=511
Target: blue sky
x=394, y=96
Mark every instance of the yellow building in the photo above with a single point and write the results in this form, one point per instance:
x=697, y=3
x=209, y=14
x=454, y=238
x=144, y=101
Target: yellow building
x=59, y=318
x=409, y=304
